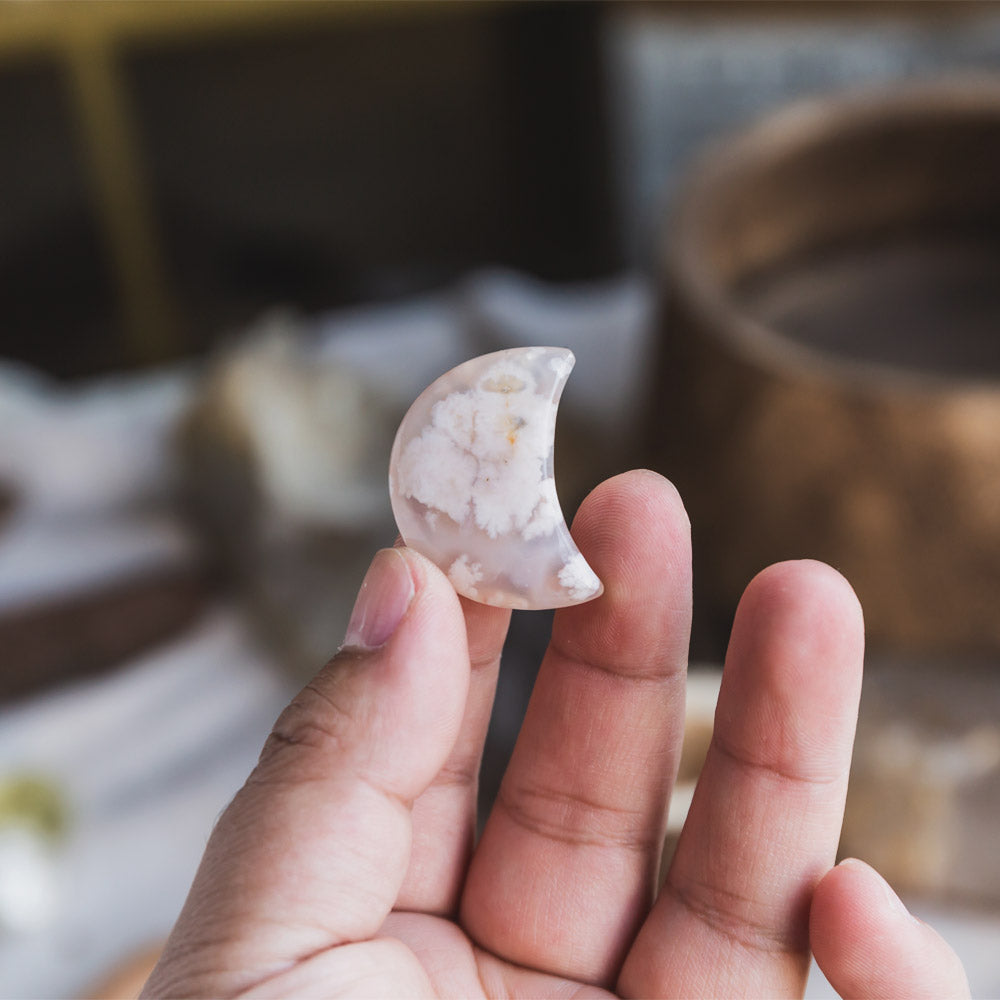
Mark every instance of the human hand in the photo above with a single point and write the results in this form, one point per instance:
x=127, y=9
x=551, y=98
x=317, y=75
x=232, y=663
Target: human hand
x=346, y=866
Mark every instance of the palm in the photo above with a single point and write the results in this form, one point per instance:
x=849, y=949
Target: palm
x=346, y=865
x=456, y=967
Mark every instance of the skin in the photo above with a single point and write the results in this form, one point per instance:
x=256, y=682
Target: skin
x=347, y=865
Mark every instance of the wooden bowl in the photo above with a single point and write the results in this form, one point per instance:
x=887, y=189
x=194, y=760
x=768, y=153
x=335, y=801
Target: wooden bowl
x=828, y=378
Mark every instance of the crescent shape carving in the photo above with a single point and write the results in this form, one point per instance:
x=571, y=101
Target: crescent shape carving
x=472, y=487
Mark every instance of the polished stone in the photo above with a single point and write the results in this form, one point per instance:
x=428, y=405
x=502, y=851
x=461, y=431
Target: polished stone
x=472, y=487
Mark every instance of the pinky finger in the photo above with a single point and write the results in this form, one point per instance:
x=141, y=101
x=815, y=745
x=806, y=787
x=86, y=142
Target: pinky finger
x=869, y=945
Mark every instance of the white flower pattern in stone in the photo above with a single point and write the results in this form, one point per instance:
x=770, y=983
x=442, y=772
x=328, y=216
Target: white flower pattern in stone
x=476, y=447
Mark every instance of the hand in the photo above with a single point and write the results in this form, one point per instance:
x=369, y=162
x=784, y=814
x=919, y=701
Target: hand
x=346, y=866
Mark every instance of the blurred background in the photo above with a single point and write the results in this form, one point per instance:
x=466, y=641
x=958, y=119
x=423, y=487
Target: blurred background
x=237, y=239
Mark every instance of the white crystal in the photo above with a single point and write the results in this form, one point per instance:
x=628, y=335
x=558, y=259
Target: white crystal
x=472, y=487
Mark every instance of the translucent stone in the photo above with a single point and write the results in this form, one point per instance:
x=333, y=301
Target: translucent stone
x=472, y=487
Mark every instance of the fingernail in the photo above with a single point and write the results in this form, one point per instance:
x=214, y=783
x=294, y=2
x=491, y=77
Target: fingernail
x=385, y=595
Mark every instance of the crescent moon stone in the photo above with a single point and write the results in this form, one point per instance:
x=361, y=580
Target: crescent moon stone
x=471, y=481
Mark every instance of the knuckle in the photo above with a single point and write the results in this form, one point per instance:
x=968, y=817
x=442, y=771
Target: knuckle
x=312, y=728
x=738, y=919
x=569, y=817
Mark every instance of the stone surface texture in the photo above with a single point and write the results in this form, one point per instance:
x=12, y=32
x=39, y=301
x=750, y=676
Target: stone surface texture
x=472, y=487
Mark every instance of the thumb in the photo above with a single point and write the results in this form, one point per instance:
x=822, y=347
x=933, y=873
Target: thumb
x=314, y=848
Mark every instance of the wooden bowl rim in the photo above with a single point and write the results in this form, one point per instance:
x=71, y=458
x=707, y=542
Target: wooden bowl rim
x=789, y=130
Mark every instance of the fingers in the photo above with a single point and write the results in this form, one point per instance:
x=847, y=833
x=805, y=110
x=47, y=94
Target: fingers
x=765, y=820
x=444, y=816
x=868, y=945
x=566, y=867
x=313, y=850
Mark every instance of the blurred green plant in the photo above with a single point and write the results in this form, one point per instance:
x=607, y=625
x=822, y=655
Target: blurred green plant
x=35, y=803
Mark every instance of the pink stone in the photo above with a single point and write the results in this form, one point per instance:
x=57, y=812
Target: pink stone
x=472, y=487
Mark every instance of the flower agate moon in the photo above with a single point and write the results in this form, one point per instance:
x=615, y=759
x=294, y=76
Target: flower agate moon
x=471, y=484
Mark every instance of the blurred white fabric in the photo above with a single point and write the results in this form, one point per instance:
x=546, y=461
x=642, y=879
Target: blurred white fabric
x=43, y=558
x=147, y=758
x=399, y=349
x=98, y=447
